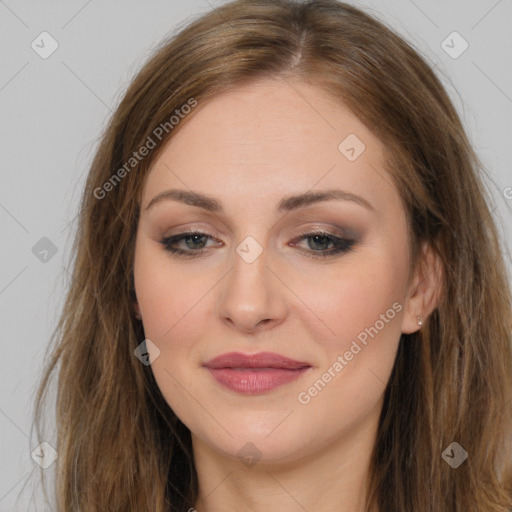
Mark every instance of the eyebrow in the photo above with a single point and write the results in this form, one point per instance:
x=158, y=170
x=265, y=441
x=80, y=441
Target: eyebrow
x=286, y=204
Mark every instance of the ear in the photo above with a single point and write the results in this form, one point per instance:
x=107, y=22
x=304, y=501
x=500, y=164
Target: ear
x=133, y=296
x=136, y=308
x=425, y=289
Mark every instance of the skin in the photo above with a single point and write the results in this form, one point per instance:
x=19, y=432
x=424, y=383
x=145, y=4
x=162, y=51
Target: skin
x=249, y=148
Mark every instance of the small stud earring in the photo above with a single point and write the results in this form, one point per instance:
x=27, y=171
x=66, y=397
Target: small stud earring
x=420, y=322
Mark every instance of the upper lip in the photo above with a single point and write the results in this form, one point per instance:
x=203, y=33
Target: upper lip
x=261, y=360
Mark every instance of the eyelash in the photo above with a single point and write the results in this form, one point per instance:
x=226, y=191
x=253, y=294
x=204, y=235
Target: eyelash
x=341, y=245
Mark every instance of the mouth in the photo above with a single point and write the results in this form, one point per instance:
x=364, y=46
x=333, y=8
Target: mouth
x=256, y=373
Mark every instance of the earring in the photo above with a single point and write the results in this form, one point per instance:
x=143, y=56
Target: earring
x=420, y=322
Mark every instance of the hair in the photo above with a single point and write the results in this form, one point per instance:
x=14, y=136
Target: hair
x=120, y=445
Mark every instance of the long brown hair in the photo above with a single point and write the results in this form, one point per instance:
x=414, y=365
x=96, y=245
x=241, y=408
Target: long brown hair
x=120, y=446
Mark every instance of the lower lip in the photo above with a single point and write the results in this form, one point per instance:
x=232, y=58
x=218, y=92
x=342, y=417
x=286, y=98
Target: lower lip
x=252, y=381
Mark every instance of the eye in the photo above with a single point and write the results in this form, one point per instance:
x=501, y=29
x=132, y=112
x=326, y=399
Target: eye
x=193, y=239
x=195, y=242
x=321, y=239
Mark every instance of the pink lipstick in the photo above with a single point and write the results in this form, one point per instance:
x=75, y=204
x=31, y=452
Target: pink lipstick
x=256, y=373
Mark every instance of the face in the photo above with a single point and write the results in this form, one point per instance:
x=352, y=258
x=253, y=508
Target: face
x=322, y=282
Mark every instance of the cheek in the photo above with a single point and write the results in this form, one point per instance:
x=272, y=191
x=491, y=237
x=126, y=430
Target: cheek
x=364, y=312
x=167, y=298
x=345, y=303
x=171, y=309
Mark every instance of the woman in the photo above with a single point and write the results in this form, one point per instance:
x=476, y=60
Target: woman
x=288, y=288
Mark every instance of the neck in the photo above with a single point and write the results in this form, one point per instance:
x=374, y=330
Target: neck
x=332, y=479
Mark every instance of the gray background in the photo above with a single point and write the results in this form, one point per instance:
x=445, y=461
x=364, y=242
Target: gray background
x=53, y=111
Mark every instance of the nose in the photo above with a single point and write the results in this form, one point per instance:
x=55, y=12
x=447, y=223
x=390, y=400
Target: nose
x=252, y=296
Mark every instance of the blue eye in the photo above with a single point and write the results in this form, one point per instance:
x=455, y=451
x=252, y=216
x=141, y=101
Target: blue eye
x=194, y=236
x=195, y=242
x=320, y=239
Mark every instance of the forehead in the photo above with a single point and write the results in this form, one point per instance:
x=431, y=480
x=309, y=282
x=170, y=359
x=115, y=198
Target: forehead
x=269, y=139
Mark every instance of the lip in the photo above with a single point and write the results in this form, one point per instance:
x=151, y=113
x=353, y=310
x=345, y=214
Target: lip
x=260, y=360
x=255, y=373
